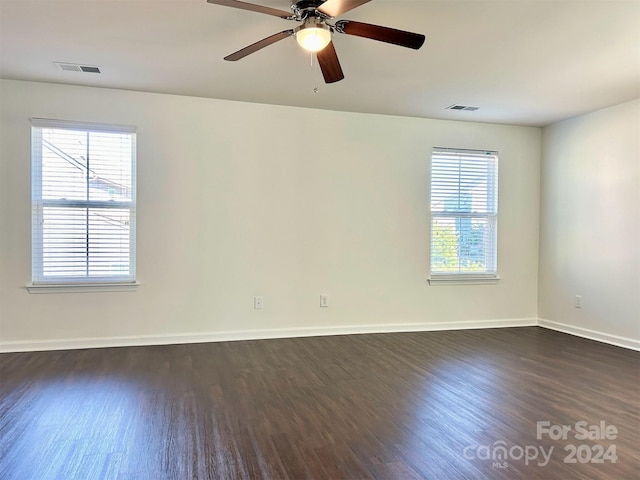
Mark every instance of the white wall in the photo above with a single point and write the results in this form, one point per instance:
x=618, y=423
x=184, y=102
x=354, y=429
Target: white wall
x=239, y=199
x=590, y=224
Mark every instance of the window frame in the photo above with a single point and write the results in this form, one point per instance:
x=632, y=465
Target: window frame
x=41, y=283
x=491, y=216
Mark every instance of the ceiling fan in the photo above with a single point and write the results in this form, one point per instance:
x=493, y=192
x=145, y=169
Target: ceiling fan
x=314, y=32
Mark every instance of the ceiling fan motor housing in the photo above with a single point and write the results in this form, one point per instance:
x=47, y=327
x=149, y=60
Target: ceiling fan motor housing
x=307, y=8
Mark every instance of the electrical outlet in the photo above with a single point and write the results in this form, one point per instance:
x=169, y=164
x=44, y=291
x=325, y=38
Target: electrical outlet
x=324, y=300
x=258, y=303
x=578, y=301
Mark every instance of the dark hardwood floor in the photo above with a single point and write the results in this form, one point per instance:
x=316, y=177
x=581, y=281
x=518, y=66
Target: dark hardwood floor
x=435, y=405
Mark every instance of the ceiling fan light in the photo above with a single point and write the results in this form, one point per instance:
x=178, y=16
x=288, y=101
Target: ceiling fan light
x=313, y=36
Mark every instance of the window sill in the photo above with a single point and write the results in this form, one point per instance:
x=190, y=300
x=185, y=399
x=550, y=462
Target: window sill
x=462, y=280
x=81, y=287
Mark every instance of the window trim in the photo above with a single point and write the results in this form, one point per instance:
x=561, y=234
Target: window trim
x=463, y=278
x=81, y=287
x=74, y=284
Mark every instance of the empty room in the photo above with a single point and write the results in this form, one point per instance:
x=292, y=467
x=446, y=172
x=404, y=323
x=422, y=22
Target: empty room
x=341, y=239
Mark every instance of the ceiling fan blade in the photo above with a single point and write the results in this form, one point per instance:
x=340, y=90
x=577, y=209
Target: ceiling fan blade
x=382, y=34
x=254, y=47
x=252, y=7
x=335, y=8
x=329, y=64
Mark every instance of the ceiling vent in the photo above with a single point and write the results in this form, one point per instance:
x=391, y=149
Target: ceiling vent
x=72, y=67
x=455, y=106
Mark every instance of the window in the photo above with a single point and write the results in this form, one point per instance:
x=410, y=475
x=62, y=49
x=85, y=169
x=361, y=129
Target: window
x=83, y=191
x=464, y=212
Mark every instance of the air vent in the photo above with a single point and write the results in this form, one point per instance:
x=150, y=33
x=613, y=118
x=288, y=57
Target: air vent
x=467, y=108
x=72, y=67
x=87, y=69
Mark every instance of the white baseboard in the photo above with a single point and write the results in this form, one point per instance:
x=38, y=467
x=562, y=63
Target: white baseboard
x=591, y=334
x=227, y=336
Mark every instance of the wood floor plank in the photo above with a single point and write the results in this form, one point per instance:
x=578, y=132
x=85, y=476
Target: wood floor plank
x=381, y=406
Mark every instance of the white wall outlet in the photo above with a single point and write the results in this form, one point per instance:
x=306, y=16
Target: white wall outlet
x=578, y=301
x=258, y=303
x=324, y=300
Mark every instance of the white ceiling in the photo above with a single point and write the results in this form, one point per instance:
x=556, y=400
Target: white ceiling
x=523, y=62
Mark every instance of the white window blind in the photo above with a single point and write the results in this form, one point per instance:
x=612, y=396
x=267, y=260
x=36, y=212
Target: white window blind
x=464, y=213
x=83, y=189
